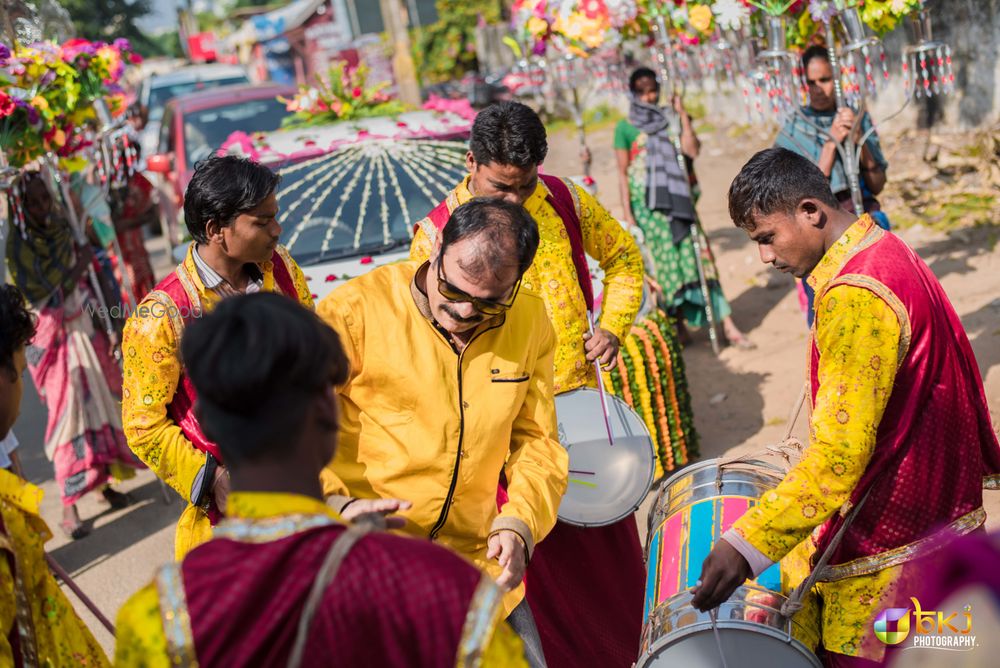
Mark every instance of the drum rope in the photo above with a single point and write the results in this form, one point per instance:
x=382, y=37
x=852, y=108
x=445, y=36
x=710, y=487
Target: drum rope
x=713, y=614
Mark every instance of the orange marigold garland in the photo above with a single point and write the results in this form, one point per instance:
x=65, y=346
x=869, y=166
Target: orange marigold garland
x=656, y=384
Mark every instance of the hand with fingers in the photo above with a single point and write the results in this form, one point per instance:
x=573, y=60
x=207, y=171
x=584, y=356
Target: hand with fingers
x=383, y=507
x=722, y=572
x=510, y=552
x=601, y=345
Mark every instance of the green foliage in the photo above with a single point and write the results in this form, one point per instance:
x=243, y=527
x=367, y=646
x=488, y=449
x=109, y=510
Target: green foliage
x=446, y=49
x=109, y=19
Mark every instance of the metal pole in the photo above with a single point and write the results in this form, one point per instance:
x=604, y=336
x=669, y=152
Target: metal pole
x=850, y=164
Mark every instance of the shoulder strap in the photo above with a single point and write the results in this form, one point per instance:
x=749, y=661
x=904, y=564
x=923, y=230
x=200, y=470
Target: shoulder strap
x=282, y=274
x=175, y=617
x=565, y=200
x=439, y=215
x=327, y=573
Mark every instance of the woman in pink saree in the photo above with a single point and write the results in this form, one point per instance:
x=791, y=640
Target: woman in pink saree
x=70, y=359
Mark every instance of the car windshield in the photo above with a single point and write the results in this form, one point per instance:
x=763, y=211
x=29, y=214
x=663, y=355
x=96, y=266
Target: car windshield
x=160, y=95
x=364, y=199
x=207, y=129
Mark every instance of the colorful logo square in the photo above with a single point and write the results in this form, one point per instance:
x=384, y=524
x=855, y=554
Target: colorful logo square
x=892, y=625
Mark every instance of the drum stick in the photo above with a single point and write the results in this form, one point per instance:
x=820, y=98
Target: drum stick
x=600, y=383
x=64, y=576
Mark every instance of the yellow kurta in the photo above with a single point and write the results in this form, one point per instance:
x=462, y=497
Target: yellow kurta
x=553, y=275
x=858, y=338
x=151, y=373
x=428, y=425
x=60, y=636
x=141, y=639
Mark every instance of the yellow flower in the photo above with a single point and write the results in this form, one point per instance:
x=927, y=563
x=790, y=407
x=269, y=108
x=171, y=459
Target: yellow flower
x=700, y=18
x=537, y=26
x=40, y=103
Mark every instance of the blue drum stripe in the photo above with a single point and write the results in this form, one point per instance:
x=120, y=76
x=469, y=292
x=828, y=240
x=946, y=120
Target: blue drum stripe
x=702, y=536
x=652, y=573
x=771, y=578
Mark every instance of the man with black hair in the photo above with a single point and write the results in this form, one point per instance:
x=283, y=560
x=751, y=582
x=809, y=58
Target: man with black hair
x=901, y=443
x=231, y=210
x=506, y=149
x=38, y=626
x=450, y=385
x=298, y=586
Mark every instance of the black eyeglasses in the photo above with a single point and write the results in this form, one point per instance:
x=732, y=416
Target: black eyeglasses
x=484, y=306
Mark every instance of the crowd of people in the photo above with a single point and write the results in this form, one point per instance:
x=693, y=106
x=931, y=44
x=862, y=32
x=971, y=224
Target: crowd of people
x=375, y=480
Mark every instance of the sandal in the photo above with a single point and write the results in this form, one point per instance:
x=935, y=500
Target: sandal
x=117, y=500
x=74, y=530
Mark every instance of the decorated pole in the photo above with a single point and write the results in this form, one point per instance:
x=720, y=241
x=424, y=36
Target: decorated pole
x=849, y=148
x=665, y=63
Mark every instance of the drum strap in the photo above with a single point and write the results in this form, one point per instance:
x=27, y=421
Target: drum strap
x=794, y=602
x=327, y=573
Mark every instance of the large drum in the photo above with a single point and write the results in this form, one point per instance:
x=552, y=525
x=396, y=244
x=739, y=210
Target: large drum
x=606, y=482
x=693, y=508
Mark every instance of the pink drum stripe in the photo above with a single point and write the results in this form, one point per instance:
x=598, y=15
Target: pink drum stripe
x=733, y=508
x=670, y=562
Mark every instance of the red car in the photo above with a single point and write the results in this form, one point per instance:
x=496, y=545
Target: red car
x=197, y=125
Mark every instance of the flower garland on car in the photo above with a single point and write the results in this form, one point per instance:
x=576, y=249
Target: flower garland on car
x=342, y=95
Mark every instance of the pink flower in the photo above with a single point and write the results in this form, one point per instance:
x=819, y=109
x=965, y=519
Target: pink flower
x=6, y=105
x=356, y=92
x=366, y=260
x=331, y=278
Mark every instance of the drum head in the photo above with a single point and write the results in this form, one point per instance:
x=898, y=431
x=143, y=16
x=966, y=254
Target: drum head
x=746, y=646
x=606, y=482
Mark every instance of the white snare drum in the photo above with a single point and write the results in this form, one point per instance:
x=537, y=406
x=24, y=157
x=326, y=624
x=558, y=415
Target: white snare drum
x=606, y=482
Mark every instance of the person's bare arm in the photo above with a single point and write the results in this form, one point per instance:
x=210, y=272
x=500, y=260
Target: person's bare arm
x=624, y=160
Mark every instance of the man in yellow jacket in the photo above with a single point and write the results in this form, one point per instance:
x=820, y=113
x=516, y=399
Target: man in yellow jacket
x=450, y=385
x=38, y=626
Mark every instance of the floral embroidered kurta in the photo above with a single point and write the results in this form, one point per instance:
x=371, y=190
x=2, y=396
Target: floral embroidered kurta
x=141, y=640
x=151, y=373
x=60, y=636
x=858, y=338
x=554, y=276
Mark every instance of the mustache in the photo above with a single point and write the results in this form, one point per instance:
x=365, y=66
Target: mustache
x=454, y=316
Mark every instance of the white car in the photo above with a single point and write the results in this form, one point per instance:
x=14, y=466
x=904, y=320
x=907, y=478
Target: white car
x=158, y=89
x=351, y=191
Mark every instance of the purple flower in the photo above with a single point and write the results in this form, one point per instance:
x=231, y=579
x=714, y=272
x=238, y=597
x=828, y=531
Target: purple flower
x=122, y=44
x=48, y=77
x=822, y=11
x=33, y=116
x=4, y=54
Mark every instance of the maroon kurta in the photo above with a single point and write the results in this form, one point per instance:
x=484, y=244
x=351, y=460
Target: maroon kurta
x=935, y=445
x=395, y=601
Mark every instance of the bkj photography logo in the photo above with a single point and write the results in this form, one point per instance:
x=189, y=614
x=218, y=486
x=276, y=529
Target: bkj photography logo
x=930, y=628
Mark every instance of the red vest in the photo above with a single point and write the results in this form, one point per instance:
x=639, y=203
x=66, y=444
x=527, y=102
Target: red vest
x=935, y=444
x=179, y=288
x=564, y=203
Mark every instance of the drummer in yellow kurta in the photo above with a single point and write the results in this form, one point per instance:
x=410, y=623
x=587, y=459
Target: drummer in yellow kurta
x=38, y=625
x=230, y=210
x=553, y=274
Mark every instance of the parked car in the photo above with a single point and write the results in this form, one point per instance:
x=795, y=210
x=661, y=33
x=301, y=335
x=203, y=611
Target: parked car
x=158, y=89
x=351, y=191
x=196, y=125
